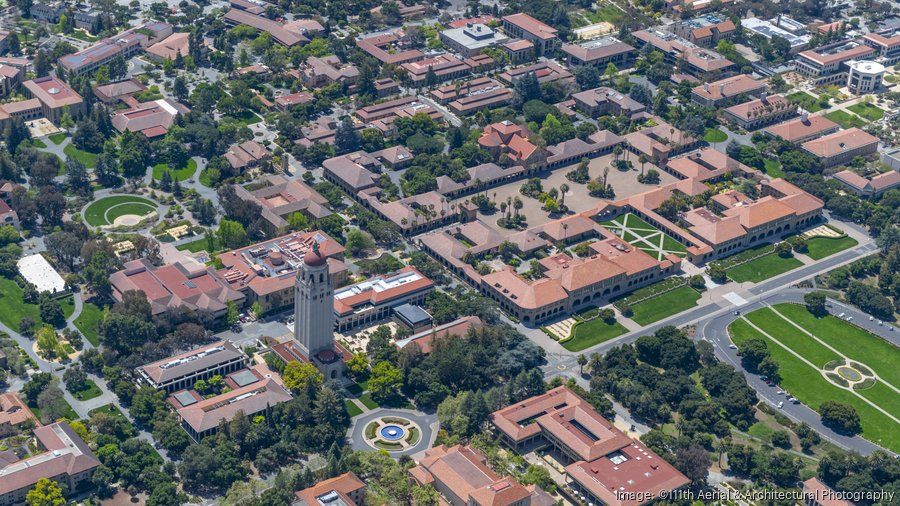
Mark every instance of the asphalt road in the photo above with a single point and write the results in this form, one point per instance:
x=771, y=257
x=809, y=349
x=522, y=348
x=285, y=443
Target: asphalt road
x=715, y=331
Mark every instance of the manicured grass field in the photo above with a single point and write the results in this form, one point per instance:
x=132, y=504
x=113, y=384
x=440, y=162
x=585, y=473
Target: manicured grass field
x=821, y=247
x=368, y=401
x=352, y=408
x=808, y=385
x=57, y=138
x=792, y=337
x=13, y=306
x=200, y=244
x=773, y=169
x=845, y=119
x=182, y=174
x=805, y=100
x=867, y=111
x=762, y=268
x=593, y=332
x=106, y=210
x=665, y=305
x=88, y=322
x=858, y=344
x=245, y=118
x=644, y=236
x=88, y=159
x=91, y=391
x=204, y=179
x=714, y=135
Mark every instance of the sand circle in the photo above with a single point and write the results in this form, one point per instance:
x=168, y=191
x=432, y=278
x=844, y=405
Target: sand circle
x=127, y=220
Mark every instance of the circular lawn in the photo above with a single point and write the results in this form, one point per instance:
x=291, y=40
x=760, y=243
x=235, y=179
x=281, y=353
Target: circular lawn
x=106, y=210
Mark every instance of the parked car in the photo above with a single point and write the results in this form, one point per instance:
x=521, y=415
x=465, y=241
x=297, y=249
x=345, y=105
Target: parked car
x=780, y=404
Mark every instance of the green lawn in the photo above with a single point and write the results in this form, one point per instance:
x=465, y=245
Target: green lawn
x=195, y=246
x=593, y=332
x=791, y=336
x=13, y=306
x=821, y=247
x=204, y=179
x=91, y=391
x=762, y=268
x=808, y=385
x=88, y=322
x=96, y=213
x=631, y=228
x=773, y=169
x=858, y=344
x=352, y=408
x=846, y=120
x=245, y=118
x=182, y=174
x=665, y=305
x=368, y=401
x=805, y=100
x=867, y=111
x=36, y=143
x=714, y=135
x=88, y=159
x=70, y=414
x=57, y=138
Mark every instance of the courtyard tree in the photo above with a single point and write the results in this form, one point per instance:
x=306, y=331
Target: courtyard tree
x=385, y=381
x=46, y=492
x=299, y=377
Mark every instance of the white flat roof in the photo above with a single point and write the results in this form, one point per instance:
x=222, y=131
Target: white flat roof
x=38, y=271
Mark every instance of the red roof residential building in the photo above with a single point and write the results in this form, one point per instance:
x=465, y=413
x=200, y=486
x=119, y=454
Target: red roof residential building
x=599, y=53
x=763, y=111
x=868, y=187
x=607, y=466
x=347, y=487
x=523, y=26
x=546, y=71
x=463, y=478
x=55, y=96
x=175, y=285
x=281, y=198
x=153, y=119
x=425, y=340
x=279, y=32
x=719, y=92
x=507, y=138
x=841, y=147
x=816, y=493
x=201, y=417
x=13, y=411
x=802, y=129
x=63, y=456
x=699, y=61
x=246, y=155
x=383, y=48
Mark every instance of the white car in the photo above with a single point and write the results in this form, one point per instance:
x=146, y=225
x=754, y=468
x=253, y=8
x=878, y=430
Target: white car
x=849, y=318
x=842, y=315
x=780, y=404
x=780, y=392
x=871, y=318
x=732, y=346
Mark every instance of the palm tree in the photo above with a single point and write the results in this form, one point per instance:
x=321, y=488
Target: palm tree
x=517, y=204
x=582, y=361
x=617, y=152
x=643, y=159
x=563, y=188
x=565, y=228
x=605, y=173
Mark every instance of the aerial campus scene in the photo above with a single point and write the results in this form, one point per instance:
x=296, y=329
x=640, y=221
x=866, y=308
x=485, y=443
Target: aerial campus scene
x=449, y=253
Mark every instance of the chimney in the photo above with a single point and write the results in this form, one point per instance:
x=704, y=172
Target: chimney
x=722, y=89
x=805, y=118
x=706, y=87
